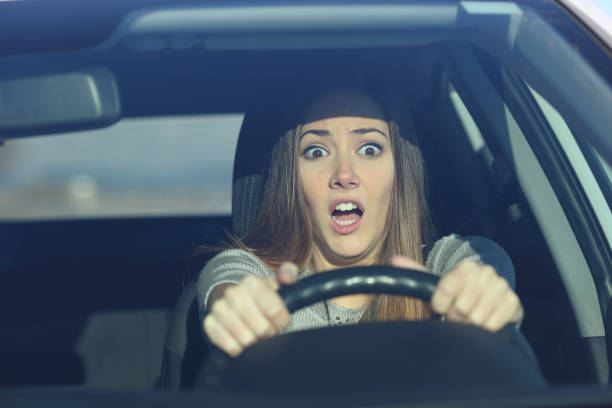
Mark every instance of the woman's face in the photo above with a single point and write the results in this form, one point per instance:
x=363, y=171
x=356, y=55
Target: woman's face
x=346, y=170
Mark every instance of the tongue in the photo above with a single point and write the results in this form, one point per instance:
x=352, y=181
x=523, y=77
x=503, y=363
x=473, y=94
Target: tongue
x=348, y=216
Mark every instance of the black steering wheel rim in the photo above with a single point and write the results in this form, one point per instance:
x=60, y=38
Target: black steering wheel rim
x=358, y=279
x=326, y=285
x=389, y=280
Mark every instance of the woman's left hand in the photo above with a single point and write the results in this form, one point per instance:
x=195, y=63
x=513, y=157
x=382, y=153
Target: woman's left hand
x=472, y=293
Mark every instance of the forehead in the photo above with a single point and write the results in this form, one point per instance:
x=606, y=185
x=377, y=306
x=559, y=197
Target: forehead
x=343, y=102
x=353, y=124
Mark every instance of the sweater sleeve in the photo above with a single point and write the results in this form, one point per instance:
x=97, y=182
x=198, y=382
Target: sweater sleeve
x=452, y=249
x=230, y=266
x=233, y=265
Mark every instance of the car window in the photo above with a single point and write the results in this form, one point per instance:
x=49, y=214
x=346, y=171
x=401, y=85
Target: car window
x=595, y=191
x=179, y=165
x=540, y=196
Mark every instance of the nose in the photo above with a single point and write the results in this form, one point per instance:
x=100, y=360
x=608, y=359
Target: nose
x=344, y=175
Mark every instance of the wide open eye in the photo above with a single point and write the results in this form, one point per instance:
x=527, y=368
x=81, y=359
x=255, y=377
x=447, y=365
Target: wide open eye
x=370, y=149
x=314, y=152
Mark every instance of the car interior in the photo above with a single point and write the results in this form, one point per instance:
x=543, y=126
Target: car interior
x=109, y=302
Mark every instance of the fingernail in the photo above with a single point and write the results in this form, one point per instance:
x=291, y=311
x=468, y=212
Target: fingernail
x=234, y=351
x=477, y=319
x=289, y=269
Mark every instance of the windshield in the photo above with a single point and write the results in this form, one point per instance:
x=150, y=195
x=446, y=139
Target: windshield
x=136, y=141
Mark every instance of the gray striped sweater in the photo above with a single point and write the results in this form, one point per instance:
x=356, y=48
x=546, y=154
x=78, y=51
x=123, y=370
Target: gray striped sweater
x=232, y=265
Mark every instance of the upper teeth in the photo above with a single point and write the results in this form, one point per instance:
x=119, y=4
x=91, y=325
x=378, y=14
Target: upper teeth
x=346, y=206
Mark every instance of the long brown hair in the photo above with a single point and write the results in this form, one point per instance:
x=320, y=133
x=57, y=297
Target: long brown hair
x=282, y=231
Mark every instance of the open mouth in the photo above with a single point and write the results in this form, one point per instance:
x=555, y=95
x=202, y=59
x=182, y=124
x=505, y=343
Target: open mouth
x=345, y=215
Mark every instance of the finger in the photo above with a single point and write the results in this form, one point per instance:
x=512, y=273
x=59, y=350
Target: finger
x=220, y=337
x=287, y=273
x=490, y=301
x=241, y=302
x=454, y=315
x=229, y=319
x=272, y=282
x=450, y=285
x=509, y=311
x=479, y=279
x=406, y=262
x=269, y=302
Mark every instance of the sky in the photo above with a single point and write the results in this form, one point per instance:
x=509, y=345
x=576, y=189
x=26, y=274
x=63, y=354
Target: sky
x=605, y=5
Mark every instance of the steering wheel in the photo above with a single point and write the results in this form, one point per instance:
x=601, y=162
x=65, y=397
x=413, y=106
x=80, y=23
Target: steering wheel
x=296, y=349
x=358, y=279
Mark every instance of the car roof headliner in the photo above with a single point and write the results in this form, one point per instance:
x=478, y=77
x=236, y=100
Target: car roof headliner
x=197, y=80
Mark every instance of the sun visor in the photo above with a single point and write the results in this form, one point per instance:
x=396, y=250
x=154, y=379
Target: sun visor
x=58, y=102
x=278, y=27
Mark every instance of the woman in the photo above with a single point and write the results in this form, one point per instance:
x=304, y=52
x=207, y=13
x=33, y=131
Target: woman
x=345, y=188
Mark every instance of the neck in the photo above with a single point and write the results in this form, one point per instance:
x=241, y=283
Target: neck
x=319, y=263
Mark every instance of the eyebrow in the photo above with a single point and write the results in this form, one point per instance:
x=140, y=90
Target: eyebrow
x=360, y=131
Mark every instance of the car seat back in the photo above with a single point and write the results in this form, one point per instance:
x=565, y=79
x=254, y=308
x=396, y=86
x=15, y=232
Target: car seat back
x=185, y=347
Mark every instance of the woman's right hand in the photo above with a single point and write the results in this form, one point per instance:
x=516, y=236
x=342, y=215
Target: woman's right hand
x=249, y=311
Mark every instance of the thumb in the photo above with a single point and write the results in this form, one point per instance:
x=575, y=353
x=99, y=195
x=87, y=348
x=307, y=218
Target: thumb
x=287, y=273
x=406, y=262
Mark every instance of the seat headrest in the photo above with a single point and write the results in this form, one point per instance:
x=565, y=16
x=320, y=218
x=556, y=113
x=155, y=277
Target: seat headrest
x=260, y=130
x=263, y=125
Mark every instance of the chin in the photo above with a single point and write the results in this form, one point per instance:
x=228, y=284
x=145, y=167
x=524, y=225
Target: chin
x=349, y=252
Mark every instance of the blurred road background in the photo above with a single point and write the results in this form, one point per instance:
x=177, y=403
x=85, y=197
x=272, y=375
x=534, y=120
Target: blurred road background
x=163, y=166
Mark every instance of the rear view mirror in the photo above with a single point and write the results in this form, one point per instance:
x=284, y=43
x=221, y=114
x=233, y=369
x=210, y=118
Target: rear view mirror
x=59, y=102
